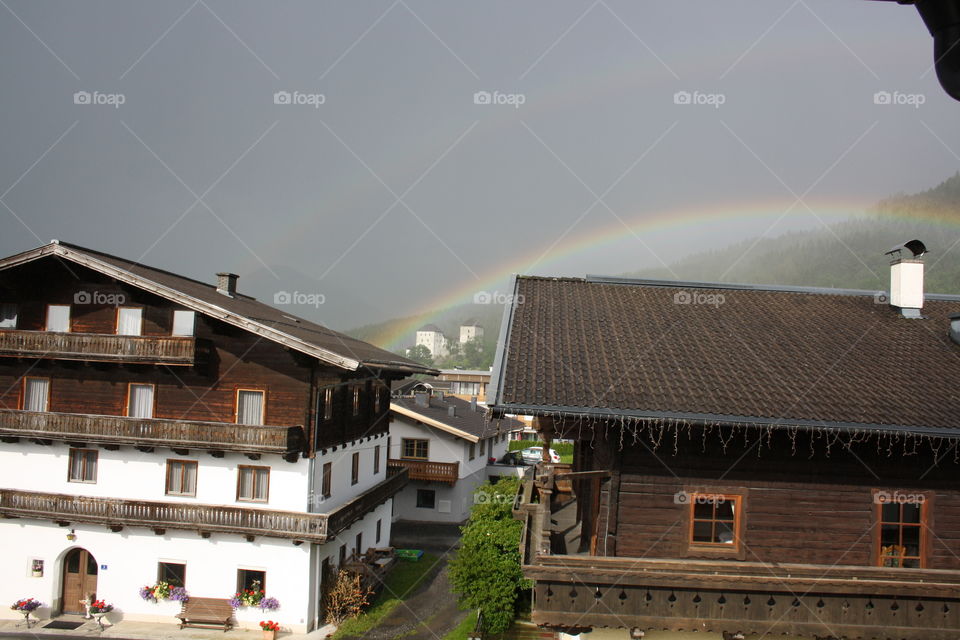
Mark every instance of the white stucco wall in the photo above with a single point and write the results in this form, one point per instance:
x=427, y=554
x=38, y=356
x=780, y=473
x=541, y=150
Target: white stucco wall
x=341, y=461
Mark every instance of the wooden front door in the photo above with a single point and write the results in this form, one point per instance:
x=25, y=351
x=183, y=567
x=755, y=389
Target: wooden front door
x=79, y=580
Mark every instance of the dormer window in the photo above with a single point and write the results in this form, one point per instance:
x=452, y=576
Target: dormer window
x=183, y=323
x=129, y=321
x=250, y=406
x=8, y=315
x=58, y=317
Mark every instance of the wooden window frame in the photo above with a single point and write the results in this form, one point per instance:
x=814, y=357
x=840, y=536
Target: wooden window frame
x=160, y=573
x=471, y=450
x=326, y=480
x=253, y=468
x=153, y=411
x=96, y=464
x=403, y=448
x=167, y=490
x=46, y=318
x=236, y=404
x=23, y=391
x=377, y=398
x=925, y=526
x=358, y=543
x=688, y=497
x=116, y=320
x=328, y=396
x=356, y=400
x=355, y=468
x=376, y=459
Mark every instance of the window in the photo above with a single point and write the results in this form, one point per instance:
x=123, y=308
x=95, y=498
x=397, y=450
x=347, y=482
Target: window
x=253, y=483
x=129, y=321
x=356, y=401
x=355, y=468
x=140, y=401
x=251, y=579
x=483, y=448
x=426, y=498
x=327, y=477
x=416, y=449
x=359, y=543
x=36, y=394
x=173, y=573
x=343, y=554
x=328, y=403
x=466, y=388
x=8, y=315
x=58, y=317
x=472, y=450
x=715, y=520
x=183, y=323
x=377, y=392
x=250, y=406
x=376, y=460
x=379, y=528
x=901, y=531
x=83, y=465
x=181, y=478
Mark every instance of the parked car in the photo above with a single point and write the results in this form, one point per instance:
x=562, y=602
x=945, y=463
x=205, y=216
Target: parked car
x=533, y=455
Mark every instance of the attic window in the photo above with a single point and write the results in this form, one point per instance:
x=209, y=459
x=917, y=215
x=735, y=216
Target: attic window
x=8, y=315
x=715, y=520
x=183, y=323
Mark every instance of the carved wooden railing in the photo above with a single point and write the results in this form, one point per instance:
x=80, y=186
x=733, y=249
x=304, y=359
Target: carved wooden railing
x=181, y=434
x=345, y=515
x=446, y=472
x=173, y=350
x=202, y=518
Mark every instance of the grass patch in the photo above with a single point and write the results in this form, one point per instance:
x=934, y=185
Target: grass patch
x=464, y=628
x=399, y=585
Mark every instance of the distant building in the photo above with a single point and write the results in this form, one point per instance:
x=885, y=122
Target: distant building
x=431, y=337
x=470, y=330
x=466, y=383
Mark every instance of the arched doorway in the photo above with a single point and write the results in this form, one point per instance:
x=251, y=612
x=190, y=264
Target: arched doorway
x=79, y=579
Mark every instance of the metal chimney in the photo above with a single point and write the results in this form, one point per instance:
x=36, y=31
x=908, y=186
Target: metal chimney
x=452, y=411
x=421, y=399
x=473, y=403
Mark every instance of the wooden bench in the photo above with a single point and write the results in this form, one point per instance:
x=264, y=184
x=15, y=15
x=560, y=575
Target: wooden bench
x=215, y=612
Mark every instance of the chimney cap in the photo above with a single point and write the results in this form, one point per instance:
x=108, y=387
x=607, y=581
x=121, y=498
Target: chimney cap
x=227, y=283
x=915, y=247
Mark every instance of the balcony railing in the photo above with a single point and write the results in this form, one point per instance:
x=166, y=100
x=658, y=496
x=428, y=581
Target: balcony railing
x=445, y=472
x=151, y=432
x=580, y=590
x=202, y=518
x=97, y=347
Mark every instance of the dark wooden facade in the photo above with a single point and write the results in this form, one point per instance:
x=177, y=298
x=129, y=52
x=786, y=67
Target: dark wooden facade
x=196, y=379
x=806, y=558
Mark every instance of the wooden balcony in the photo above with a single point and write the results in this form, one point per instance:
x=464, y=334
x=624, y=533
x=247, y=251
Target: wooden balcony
x=96, y=347
x=204, y=519
x=152, y=432
x=443, y=472
x=728, y=596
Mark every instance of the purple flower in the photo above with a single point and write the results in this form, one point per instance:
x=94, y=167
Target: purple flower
x=235, y=602
x=179, y=594
x=269, y=604
x=148, y=594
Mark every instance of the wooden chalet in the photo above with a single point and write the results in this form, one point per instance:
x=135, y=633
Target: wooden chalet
x=749, y=460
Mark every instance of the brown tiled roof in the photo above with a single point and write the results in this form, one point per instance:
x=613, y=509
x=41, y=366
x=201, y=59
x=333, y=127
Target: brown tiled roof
x=239, y=308
x=474, y=423
x=663, y=349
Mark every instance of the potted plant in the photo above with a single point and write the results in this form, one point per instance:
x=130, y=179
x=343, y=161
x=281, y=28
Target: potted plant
x=26, y=606
x=270, y=629
x=99, y=609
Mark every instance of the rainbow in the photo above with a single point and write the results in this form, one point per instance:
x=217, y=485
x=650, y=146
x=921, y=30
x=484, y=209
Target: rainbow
x=548, y=255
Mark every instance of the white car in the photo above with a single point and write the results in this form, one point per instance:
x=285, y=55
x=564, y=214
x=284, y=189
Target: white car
x=533, y=455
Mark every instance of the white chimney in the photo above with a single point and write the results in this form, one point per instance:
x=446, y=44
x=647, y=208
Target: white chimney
x=227, y=283
x=906, y=277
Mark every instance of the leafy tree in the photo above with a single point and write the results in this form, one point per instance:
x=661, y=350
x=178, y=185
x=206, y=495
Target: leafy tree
x=473, y=355
x=420, y=353
x=486, y=572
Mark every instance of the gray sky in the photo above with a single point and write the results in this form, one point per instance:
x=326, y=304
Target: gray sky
x=399, y=190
